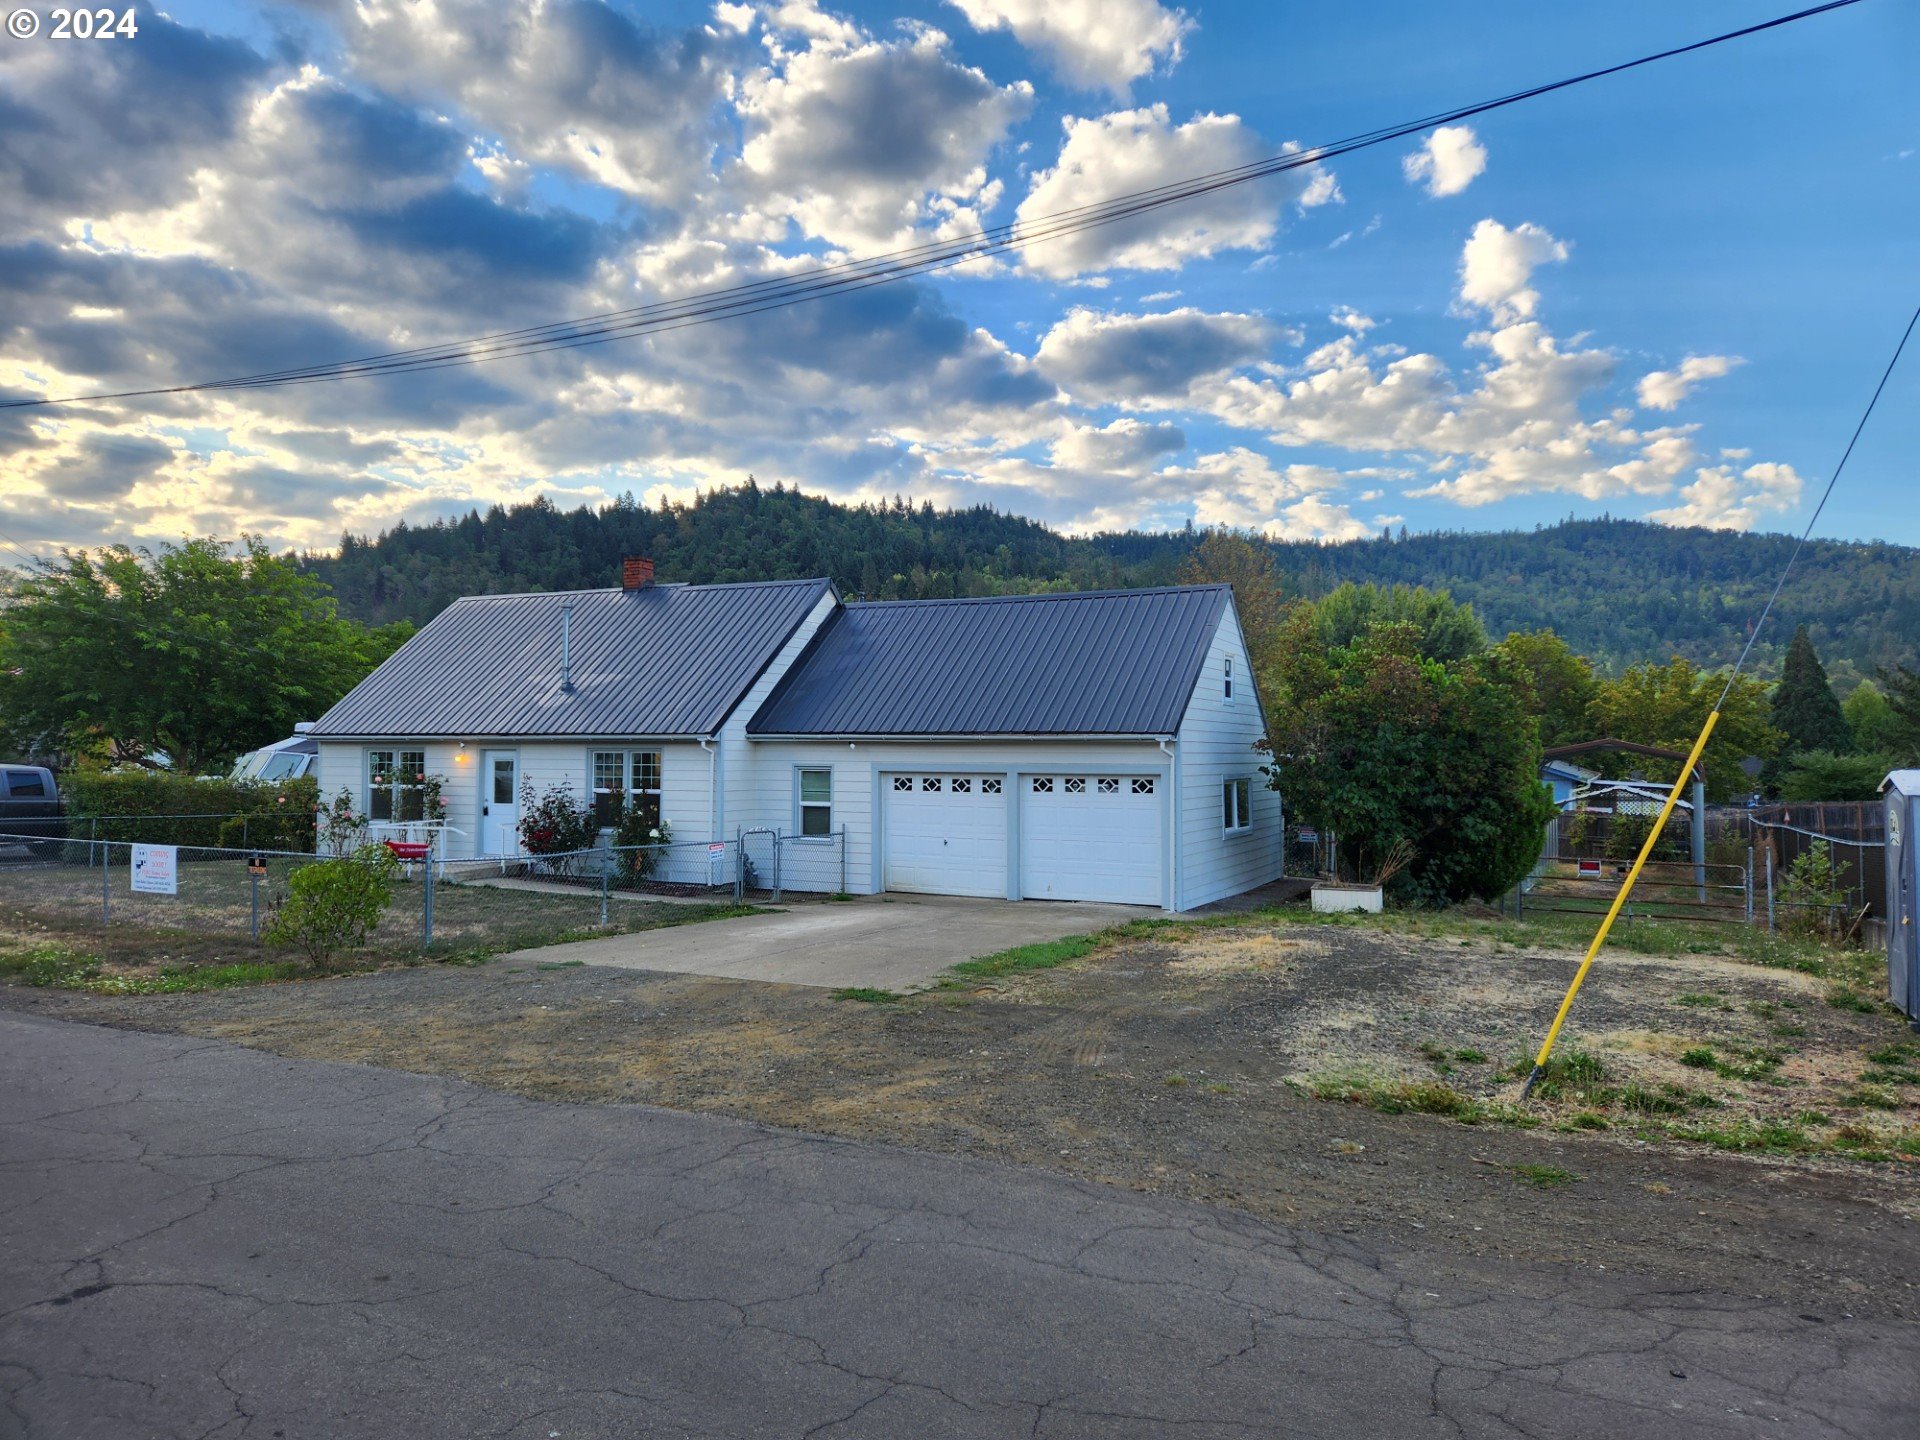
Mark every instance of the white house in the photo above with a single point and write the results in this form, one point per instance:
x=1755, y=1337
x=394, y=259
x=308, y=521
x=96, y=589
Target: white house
x=1068, y=747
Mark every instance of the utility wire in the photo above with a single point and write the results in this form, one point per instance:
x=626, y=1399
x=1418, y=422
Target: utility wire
x=820, y=282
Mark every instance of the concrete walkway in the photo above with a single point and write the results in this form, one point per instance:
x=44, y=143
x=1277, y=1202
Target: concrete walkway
x=889, y=942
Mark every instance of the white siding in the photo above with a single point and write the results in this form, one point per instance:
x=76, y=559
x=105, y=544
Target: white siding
x=769, y=795
x=1216, y=744
x=737, y=786
x=543, y=764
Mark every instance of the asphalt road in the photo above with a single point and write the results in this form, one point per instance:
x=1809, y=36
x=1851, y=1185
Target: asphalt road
x=198, y=1240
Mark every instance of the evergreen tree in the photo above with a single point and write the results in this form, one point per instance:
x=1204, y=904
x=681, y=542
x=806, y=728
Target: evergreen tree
x=1805, y=709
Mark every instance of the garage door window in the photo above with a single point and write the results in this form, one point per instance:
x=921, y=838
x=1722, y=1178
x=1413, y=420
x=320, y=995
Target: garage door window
x=1237, y=804
x=816, y=802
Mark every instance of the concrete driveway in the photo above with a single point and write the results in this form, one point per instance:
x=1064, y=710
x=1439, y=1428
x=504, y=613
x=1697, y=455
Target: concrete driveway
x=889, y=942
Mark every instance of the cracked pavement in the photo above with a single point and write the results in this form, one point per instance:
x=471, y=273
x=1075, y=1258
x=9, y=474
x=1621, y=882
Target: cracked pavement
x=198, y=1240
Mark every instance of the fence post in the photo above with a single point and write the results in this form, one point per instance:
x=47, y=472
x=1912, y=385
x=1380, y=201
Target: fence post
x=1747, y=890
x=776, y=867
x=426, y=905
x=106, y=885
x=605, y=872
x=843, y=859
x=253, y=902
x=739, y=867
x=1769, y=884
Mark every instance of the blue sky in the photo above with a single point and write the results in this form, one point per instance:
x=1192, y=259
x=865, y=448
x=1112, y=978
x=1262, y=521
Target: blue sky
x=1666, y=294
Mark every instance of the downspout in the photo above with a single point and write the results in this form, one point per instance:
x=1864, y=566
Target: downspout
x=1169, y=748
x=714, y=811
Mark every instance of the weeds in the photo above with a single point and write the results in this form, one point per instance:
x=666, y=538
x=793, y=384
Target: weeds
x=868, y=995
x=1543, y=1177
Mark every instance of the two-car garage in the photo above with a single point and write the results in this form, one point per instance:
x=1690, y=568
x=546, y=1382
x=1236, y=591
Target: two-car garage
x=1038, y=837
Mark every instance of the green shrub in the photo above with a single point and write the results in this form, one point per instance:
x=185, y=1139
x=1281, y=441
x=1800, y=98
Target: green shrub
x=334, y=905
x=1700, y=1057
x=159, y=808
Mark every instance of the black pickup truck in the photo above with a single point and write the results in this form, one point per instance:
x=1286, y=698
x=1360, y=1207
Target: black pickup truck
x=30, y=805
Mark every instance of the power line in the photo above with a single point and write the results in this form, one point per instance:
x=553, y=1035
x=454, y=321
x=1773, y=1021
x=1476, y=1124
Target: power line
x=821, y=282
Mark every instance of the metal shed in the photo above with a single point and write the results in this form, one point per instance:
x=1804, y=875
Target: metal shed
x=1901, y=792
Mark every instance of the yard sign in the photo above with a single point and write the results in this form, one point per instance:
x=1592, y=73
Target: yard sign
x=154, y=869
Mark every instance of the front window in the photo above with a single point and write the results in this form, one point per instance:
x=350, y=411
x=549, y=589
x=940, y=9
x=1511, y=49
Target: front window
x=623, y=779
x=397, y=785
x=816, y=802
x=1237, y=804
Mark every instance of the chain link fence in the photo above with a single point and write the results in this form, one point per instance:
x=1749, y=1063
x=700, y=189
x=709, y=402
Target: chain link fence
x=494, y=904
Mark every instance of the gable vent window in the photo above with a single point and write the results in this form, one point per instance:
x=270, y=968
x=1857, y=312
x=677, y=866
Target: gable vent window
x=1229, y=687
x=1237, y=804
x=1043, y=785
x=989, y=787
x=816, y=802
x=1109, y=787
x=1143, y=785
x=903, y=782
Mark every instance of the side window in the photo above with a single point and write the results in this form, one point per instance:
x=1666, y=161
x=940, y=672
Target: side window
x=1236, y=804
x=1227, y=693
x=26, y=785
x=816, y=802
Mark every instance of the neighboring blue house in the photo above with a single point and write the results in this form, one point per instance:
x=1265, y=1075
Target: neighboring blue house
x=1065, y=747
x=1563, y=778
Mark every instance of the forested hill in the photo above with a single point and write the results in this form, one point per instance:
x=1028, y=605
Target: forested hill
x=1617, y=590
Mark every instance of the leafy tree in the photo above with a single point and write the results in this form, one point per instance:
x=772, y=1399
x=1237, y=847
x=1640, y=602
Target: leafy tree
x=1805, y=710
x=1229, y=557
x=194, y=652
x=1902, y=687
x=1823, y=775
x=1559, y=685
x=1666, y=705
x=1871, y=721
x=1447, y=630
x=1395, y=751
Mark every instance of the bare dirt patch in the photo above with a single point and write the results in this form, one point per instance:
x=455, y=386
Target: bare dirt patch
x=1175, y=1060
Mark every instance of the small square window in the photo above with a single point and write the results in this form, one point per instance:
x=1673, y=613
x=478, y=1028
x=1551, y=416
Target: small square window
x=1143, y=785
x=903, y=782
x=1077, y=785
x=1043, y=785
x=930, y=782
x=963, y=787
x=989, y=787
x=1109, y=787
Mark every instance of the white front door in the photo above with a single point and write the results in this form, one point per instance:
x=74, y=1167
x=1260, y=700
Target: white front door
x=1092, y=837
x=946, y=834
x=499, y=803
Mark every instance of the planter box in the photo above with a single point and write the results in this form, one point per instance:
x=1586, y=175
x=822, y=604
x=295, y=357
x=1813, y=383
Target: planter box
x=1329, y=899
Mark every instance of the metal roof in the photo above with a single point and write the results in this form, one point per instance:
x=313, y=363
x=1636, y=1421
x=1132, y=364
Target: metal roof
x=1116, y=662
x=658, y=661
x=1903, y=782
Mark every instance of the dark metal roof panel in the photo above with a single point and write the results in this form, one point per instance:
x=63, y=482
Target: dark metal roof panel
x=1117, y=662
x=663, y=660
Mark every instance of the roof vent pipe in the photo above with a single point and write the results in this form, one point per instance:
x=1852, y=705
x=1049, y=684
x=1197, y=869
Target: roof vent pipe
x=566, y=649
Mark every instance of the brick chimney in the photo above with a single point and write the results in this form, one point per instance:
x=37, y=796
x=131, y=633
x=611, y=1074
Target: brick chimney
x=636, y=572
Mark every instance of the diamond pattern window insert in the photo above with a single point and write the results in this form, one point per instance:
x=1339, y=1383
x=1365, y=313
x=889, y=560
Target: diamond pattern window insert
x=1043, y=785
x=1143, y=785
x=930, y=782
x=1076, y=785
x=963, y=786
x=989, y=787
x=1109, y=787
x=903, y=782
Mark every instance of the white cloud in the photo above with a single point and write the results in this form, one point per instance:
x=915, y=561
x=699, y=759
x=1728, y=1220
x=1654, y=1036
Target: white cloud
x=1720, y=500
x=861, y=142
x=1496, y=268
x=1449, y=160
x=1126, y=447
x=1096, y=44
x=1102, y=357
x=1134, y=150
x=1665, y=389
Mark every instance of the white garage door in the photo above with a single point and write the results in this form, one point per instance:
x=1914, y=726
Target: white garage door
x=1091, y=837
x=946, y=834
